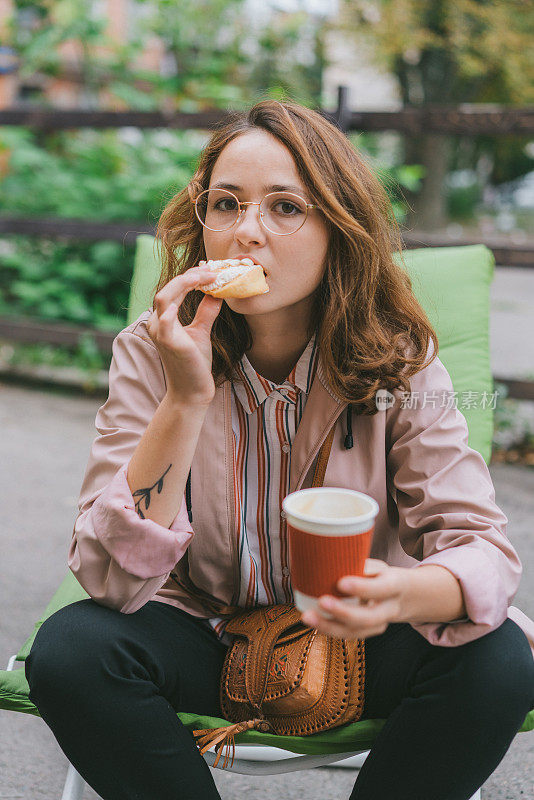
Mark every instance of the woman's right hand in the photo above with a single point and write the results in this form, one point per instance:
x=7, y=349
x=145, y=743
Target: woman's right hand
x=185, y=351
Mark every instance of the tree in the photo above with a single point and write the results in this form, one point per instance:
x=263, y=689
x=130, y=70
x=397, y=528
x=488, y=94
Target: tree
x=218, y=52
x=64, y=38
x=202, y=41
x=289, y=58
x=447, y=52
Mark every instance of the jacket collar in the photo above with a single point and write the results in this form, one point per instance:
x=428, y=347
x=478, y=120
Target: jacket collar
x=252, y=389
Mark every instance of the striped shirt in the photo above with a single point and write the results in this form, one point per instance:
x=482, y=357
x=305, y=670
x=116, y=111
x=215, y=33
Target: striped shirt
x=265, y=419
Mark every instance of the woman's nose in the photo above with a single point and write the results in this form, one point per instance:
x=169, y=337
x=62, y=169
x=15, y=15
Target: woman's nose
x=248, y=225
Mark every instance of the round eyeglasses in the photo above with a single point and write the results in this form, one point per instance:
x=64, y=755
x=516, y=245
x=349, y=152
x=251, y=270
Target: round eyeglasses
x=280, y=212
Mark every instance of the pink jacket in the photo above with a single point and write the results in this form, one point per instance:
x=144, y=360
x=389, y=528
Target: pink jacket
x=436, y=497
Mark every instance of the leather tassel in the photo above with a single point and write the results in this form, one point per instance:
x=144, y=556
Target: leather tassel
x=225, y=737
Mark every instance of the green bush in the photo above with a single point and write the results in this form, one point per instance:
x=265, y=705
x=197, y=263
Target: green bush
x=111, y=175
x=119, y=175
x=85, y=284
x=463, y=201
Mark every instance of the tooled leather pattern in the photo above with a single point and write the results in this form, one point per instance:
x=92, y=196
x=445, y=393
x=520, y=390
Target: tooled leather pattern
x=285, y=671
x=335, y=698
x=342, y=698
x=261, y=627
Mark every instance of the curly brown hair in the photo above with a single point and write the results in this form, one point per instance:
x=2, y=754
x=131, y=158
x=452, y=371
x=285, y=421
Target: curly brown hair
x=372, y=333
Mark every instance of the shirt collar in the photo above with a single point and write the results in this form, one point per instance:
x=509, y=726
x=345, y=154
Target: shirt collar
x=252, y=389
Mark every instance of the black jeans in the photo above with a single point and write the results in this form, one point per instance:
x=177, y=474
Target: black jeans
x=109, y=685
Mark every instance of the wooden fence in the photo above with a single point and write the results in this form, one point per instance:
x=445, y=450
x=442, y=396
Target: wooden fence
x=466, y=120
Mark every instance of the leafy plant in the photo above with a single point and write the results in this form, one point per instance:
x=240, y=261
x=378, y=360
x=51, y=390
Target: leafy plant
x=117, y=175
x=111, y=175
x=54, y=356
x=85, y=284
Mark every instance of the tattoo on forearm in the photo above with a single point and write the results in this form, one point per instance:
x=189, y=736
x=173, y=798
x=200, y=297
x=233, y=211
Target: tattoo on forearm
x=144, y=494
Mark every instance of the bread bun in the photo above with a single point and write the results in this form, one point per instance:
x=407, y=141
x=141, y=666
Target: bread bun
x=236, y=277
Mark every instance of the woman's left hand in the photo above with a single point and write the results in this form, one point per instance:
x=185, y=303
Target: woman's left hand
x=381, y=592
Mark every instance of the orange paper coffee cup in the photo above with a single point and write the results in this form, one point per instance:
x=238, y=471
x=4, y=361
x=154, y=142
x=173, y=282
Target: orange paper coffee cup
x=330, y=532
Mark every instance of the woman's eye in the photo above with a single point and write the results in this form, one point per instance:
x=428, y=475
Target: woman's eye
x=286, y=208
x=220, y=206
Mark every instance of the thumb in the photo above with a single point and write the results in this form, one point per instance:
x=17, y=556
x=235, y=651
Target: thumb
x=373, y=566
x=207, y=312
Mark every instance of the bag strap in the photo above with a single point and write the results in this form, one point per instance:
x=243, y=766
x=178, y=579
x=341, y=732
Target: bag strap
x=322, y=459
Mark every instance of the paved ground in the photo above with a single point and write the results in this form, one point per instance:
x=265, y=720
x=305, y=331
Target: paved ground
x=512, y=323
x=43, y=451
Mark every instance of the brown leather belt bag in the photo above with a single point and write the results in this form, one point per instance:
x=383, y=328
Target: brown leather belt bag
x=280, y=676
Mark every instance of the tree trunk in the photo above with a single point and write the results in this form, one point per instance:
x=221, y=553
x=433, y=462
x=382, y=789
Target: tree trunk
x=429, y=206
x=429, y=81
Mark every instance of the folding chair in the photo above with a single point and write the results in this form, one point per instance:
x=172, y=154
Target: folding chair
x=452, y=284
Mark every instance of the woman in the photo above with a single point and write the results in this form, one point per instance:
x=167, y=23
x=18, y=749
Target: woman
x=241, y=395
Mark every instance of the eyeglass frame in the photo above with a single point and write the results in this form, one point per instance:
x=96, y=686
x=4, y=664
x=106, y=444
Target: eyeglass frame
x=250, y=203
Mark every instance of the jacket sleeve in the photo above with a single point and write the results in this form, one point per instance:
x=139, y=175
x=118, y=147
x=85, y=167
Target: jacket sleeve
x=446, y=506
x=120, y=559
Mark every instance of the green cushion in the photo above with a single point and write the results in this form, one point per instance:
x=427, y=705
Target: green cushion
x=356, y=736
x=146, y=272
x=68, y=592
x=348, y=738
x=453, y=286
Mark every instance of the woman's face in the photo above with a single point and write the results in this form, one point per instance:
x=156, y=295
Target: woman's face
x=294, y=264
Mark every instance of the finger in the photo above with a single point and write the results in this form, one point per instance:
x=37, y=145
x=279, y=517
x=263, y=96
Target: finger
x=368, y=588
x=207, y=312
x=379, y=579
x=179, y=286
x=342, y=633
x=350, y=614
x=374, y=566
x=332, y=628
x=165, y=325
x=167, y=318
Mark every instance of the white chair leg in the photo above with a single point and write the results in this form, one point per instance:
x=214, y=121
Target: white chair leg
x=74, y=785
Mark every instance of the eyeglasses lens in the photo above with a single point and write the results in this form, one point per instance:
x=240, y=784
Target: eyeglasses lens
x=280, y=212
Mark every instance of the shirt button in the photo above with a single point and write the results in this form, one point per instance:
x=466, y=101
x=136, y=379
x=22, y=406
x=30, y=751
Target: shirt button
x=286, y=447
x=285, y=572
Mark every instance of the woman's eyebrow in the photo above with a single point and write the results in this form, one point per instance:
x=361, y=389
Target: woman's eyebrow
x=274, y=187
